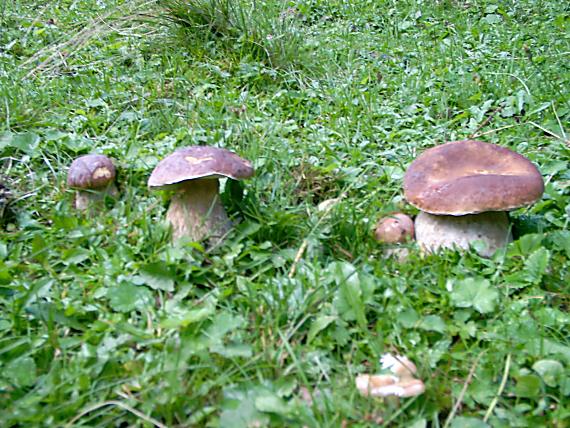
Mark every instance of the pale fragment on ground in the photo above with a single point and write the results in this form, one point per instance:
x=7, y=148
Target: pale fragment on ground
x=399, y=365
x=327, y=204
x=401, y=384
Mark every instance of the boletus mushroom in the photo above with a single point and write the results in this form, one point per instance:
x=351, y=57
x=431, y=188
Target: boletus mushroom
x=192, y=174
x=93, y=177
x=394, y=228
x=464, y=190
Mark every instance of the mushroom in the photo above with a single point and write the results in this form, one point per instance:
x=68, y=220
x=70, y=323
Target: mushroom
x=394, y=229
x=386, y=385
x=192, y=174
x=463, y=189
x=401, y=383
x=93, y=176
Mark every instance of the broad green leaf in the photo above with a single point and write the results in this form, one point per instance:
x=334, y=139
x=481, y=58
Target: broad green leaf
x=420, y=423
x=477, y=293
x=526, y=244
x=222, y=324
x=5, y=324
x=432, y=323
x=468, y=422
x=3, y=250
x=271, y=403
x=128, y=297
x=349, y=296
x=565, y=386
x=322, y=322
x=27, y=142
x=551, y=371
x=75, y=256
x=5, y=276
x=239, y=410
x=408, y=318
x=157, y=276
x=49, y=312
x=528, y=386
x=536, y=264
x=21, y=372
x=561, y=240
x=492, y=18
x=182, y=317
x=234, y=350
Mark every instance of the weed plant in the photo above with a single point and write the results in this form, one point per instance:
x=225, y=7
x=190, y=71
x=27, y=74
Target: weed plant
x=105, y=322
x=268, y=32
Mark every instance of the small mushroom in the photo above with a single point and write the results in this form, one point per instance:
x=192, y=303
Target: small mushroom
x=464, y=189
x=193, y=174
x=93, y=177
x=386, y=385
x=394, y=229
x=401, y=383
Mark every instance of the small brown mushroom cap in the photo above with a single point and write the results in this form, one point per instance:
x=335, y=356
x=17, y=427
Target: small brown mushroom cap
x=468, y=177
x=197, y=162
x=394, y=228
x=91, y=172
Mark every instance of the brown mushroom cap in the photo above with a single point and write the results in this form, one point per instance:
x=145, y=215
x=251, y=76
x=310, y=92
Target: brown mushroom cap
x=468, y=177
x=91, y=172
x=198, y=162
x=394, y=228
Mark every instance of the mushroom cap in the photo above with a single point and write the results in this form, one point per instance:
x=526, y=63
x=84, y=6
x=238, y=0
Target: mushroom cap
x=91, y=172
x=394, y=228
x=468, y=177
x=197, y=162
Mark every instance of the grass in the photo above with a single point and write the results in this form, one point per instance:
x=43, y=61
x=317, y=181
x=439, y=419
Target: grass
x=103, y=322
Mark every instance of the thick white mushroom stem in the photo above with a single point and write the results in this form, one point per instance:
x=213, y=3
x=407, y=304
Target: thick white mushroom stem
x=91, y=199
x=196, y=211
x=445, y=231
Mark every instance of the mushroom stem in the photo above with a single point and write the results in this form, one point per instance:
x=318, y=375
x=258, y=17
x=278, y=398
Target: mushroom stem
x=84, y=199
x=437, y=231
x=196, y=211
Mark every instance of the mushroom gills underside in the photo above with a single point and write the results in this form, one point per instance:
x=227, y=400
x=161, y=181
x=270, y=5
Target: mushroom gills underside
x=444, y=231
x=196, y=212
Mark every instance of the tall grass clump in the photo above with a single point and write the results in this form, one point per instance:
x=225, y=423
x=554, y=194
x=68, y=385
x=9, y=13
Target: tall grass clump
x=269, y=32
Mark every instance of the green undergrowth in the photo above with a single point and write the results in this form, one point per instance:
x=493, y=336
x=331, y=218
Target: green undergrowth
x=105, y=322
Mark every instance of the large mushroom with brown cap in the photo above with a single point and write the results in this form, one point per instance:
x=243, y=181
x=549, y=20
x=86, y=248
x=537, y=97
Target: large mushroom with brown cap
x=464, y=190
x=93, y=176
x=193, y=174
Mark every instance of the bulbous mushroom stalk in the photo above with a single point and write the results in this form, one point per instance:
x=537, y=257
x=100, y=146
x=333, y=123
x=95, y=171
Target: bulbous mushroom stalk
x=196, y=211
x=93, y=177
x=444, y=231
x=192, y=174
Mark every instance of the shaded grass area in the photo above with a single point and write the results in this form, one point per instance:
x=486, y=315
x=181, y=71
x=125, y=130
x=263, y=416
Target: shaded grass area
x=95, y=311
